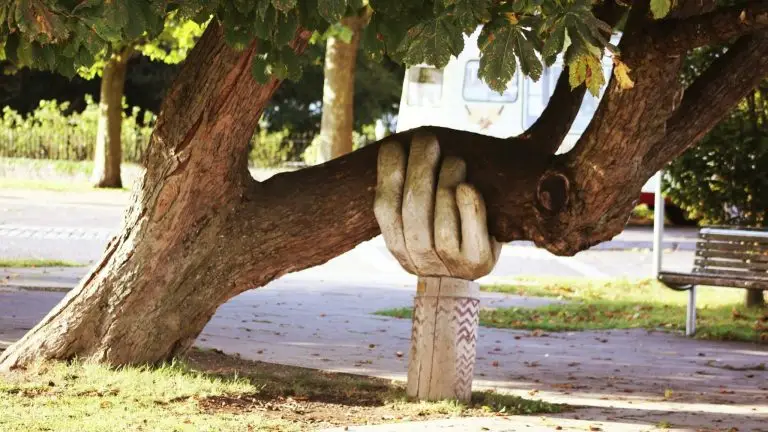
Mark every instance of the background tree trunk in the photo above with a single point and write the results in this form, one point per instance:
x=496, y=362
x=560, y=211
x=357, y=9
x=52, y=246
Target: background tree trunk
x=337, y=122
x=754, y=298
x=108, y=151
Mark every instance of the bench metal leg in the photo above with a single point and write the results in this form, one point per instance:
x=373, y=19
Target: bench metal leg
x=690, y=316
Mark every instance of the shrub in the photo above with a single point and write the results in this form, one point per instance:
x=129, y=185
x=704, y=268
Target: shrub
x=52, y=131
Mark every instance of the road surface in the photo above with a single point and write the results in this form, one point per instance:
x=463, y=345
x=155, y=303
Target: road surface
x=77, y=226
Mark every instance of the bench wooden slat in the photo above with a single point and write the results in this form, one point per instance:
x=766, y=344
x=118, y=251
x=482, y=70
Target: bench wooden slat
x=742, y=237
x=733, y=246
x=735, y=231
x=735, y=255
x=729, y=273
x=675, y=278
x=706, y=263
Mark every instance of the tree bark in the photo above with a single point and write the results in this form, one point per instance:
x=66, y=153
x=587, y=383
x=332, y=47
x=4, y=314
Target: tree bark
x=108, y=155
x=337, y=122
x=201, y=230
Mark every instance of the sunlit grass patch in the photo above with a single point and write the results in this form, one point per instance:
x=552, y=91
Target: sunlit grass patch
x=620, y=304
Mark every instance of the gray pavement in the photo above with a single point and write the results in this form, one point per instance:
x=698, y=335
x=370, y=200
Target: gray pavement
x=629, y=380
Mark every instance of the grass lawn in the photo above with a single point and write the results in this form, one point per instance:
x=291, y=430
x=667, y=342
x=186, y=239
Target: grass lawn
x=32, y=263
x=211, y=391
x=620, y=303
x=53, y=185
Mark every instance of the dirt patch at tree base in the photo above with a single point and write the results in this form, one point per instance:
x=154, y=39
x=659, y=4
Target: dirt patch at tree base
x=318, y=399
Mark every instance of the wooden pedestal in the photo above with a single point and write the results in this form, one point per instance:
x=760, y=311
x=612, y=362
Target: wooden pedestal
x=446, y=314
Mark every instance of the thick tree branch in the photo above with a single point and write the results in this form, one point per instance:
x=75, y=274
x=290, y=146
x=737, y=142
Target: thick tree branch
x=552, y=126
x=678, y=35
x=711, y=96
x=550, y=129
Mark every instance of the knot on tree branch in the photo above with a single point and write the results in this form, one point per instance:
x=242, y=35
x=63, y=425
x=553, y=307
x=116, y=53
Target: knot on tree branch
x=552, y=192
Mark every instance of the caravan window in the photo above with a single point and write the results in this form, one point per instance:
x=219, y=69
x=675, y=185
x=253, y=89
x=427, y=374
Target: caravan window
x=475, y=90
x=425, y=86
x=540, y=91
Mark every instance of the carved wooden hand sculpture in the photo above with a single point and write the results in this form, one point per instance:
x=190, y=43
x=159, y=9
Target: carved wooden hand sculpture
x=432, y=231
x=438, y=232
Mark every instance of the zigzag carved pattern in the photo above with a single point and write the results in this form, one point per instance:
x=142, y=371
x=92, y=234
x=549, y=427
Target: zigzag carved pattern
x=466, y=315
x=418, y=321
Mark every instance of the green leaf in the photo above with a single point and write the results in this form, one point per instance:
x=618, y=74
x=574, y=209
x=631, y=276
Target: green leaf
x=660, y=8
x=237, y=37
x=138, y=22
x=263, y=28
x=284, y=5
x=432, y=42
x=85, y=4
x=372, y=41
x=244, y=6
x=530, y=64
x=332, y=10
x=260, y=69
x=470, y=13
x=388, y=7
x=261, y=8
x=285, y=28
x=497, y=63
x=293, y=62
x=554, y=43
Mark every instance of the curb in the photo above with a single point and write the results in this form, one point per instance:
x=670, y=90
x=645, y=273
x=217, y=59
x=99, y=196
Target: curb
x=34, y=288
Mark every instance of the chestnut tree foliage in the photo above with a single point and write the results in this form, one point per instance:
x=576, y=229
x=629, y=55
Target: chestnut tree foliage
x=517, y=35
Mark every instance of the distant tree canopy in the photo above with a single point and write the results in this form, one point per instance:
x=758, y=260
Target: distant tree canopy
x=295, y=106
x=724, y=178
x=145, y=86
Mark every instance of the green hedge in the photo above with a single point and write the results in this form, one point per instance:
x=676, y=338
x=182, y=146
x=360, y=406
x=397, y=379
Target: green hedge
x=52, y=131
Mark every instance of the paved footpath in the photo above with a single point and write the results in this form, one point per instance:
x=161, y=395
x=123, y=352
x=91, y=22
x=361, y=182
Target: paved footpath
x=628, y=380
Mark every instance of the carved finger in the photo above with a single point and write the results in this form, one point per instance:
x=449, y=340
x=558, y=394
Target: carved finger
x=387, y=208
x=476, y=242
x=419, y=205
x=447, y=223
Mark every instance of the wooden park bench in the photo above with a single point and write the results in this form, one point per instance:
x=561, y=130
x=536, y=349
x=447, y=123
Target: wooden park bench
x=732, y=257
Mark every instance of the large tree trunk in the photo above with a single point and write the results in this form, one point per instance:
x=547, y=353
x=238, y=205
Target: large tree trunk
x=201, y=230
x=337, y=122
x=108, y=155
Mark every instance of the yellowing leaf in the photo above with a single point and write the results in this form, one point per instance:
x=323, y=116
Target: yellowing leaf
x=621, y=71
x=660, y=8
x=586, y=69
x=512, y=17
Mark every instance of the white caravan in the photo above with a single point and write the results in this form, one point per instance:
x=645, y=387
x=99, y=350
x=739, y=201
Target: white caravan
x=455, y=97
